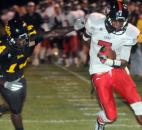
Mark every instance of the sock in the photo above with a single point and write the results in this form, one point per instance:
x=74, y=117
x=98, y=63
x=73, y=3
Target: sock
x=102, y=119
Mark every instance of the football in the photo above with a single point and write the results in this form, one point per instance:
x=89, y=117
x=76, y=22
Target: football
x=112, y=54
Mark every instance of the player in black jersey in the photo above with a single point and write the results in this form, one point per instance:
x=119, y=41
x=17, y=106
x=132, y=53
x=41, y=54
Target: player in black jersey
x=15, y=49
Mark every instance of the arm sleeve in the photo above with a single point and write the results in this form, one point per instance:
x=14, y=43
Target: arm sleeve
x=125, y=52
x=130, y=40
x=88, y=26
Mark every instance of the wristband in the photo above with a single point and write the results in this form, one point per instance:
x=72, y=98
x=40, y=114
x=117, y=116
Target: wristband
x=109, y=62
x=113, y=63
x=117, y=63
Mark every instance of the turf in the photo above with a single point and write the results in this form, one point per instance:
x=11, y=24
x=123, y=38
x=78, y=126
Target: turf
x=59, y=99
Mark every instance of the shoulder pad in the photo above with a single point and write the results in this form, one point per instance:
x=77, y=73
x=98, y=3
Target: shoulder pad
x=94, y=20
x=132, y=31
x=96, y=16
x=131, y=34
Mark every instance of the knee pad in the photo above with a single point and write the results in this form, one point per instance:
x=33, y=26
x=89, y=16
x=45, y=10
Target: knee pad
x=137, y=108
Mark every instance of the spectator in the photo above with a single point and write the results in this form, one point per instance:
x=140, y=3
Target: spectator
x=136, y=55
x=33, y=18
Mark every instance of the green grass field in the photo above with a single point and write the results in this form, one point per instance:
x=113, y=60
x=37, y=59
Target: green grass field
x=59, y=99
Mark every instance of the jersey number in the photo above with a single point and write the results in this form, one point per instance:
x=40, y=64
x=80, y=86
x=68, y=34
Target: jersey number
x=105, y=47
x=13, y=66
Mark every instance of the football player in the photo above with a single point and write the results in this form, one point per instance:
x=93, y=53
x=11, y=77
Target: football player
x=107, y=33
x=15, y=49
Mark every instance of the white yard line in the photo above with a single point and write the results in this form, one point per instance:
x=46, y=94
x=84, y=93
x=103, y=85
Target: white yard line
x=75, y=74
x=94, y=108
x=89, y=108
x=94, y=114
x=123, y=125
x=81, y=100
x=71, y=121
x=89, y=104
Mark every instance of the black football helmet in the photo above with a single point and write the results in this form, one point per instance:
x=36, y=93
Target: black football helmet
x=17, y=34
x=118, y=12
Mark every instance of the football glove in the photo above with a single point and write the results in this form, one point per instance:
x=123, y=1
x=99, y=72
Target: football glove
x=13, y=86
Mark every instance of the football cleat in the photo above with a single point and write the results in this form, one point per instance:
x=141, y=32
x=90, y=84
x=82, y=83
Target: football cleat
x=99, y=126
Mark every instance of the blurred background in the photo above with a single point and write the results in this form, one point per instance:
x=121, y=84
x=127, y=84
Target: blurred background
x=56, y=16
x=59, y=84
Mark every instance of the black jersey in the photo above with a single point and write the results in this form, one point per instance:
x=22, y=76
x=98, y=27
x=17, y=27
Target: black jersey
x=12, y=62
